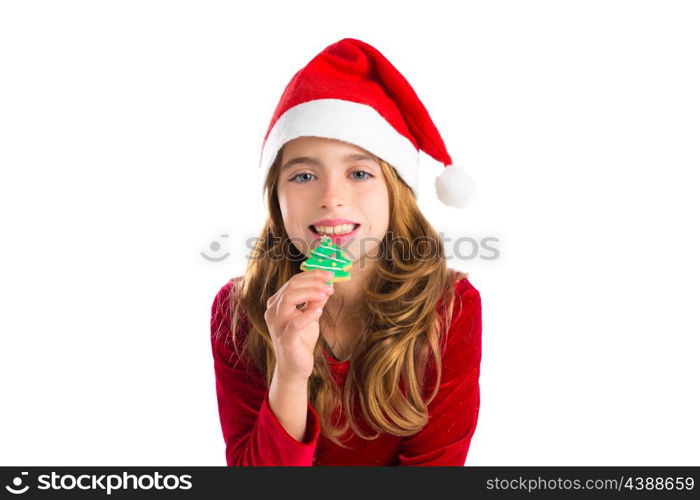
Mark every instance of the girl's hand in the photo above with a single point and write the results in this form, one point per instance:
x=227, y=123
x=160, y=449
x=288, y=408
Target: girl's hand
x=294, y=331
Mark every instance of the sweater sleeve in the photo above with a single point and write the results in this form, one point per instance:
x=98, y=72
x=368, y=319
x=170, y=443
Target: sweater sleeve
x=453, y=413
x=252, y=433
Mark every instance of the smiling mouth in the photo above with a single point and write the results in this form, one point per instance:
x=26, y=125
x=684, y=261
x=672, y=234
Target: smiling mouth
x=314, y=230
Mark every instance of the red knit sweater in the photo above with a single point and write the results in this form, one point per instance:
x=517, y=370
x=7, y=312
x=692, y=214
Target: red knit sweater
x=254, y=436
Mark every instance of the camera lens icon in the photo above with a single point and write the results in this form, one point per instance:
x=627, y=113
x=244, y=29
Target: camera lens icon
x=215, y=246
x=17, y=483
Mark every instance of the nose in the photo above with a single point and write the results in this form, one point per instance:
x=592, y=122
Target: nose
x=333, y=192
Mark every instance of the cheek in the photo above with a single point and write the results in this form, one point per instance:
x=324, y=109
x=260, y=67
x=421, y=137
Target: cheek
x=289, y=205
x=294, y=216
x=282, y=200
x=380, y=205
x=378, y=211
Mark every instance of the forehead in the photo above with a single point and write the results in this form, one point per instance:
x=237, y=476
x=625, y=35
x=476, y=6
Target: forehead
x=321, y=148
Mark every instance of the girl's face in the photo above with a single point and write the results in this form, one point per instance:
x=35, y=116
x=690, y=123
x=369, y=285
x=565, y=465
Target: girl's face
x=329, y=179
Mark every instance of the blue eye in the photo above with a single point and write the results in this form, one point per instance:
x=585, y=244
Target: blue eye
x=362, y=172
x=363, y=178
x=298, y=175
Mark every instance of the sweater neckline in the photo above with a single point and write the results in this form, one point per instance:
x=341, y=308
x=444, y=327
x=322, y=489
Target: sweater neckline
x=333, y=360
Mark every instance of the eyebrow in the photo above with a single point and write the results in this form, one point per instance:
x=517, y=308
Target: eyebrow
x=350, y=157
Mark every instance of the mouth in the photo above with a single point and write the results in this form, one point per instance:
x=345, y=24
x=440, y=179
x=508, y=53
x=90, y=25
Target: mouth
x=341, y=230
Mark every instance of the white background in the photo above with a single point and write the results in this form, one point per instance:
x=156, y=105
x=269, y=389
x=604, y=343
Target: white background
x=129, y=139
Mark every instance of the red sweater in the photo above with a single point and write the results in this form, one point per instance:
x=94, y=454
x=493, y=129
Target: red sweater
x=254, y=436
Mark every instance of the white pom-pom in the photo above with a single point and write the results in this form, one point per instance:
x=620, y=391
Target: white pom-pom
x=455, y=187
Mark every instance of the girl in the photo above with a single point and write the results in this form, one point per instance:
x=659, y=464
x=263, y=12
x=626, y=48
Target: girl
x=381, y=369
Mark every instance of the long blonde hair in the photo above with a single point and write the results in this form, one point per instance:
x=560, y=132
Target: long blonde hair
x=403, y=333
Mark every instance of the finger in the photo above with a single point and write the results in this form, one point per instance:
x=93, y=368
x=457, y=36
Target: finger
x=305, y=306
x=301, y=279
x=317, y=286
x=316, y=282
x=273, y=298
x=316, y=274
x=303, y=319
x=295, y=296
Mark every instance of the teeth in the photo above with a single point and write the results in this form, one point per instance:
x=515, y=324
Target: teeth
x=341, y=229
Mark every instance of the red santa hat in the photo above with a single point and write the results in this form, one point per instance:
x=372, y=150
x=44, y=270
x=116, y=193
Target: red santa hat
x=351, y=92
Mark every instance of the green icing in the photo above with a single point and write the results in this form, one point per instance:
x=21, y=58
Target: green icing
x=328, y=257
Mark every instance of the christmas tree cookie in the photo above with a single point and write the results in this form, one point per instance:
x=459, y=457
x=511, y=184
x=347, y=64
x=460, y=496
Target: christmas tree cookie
x=328, y=257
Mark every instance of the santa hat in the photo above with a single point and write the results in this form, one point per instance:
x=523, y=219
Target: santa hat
x=351, y=92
